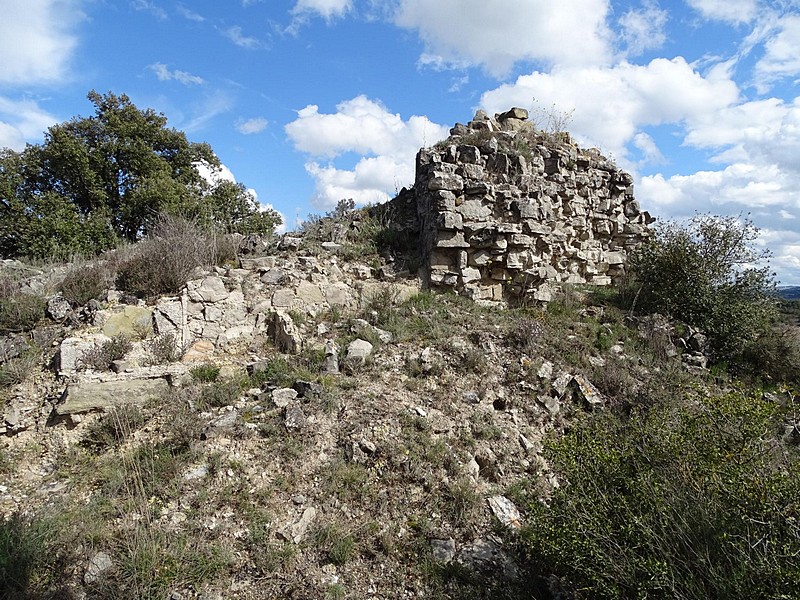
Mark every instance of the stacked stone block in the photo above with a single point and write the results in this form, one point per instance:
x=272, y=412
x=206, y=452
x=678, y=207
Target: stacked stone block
x=504, y=211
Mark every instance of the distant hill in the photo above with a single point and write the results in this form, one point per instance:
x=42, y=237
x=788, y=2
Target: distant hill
x=789, y=292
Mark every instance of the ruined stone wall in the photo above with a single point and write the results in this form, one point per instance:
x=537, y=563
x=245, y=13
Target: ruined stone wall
x=506, y=211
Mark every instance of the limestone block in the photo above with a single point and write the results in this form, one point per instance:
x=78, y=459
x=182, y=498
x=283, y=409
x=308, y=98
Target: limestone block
x=72, y=348
x=517, y=259
x=309, y=293
x=528, y=210
x=614, y=258
x=339, y=294
x=474, y=210
x=256, y=263
x=444, y=278
x=274, y=276
x=359, y=350
x=451, y=239
x=132, y=322
x=499, y=244
x=469, y=154
x=450, y=220
x=212, y=314
x=533, y=227
x=519, y=239
x=211, y=289
x=283, y=298
x=514, y=113
x=168, y=316
x=472, y=172
x=83, y=397
x=200, y=351
x=446, y=181
x=211, y=331
x=480, y=258
x=239, y=331
x=440, y=260
x=509, y=228
x=285, y=334
x=444, y=200
x=477, y=188
x=470, y=274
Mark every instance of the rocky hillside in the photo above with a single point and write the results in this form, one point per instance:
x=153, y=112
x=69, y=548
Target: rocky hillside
x=303, y=420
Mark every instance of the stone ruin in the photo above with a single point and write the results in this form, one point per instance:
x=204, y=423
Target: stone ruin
x=507, y=212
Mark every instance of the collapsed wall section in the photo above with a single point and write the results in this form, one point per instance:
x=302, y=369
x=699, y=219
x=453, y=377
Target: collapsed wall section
x=505, y=211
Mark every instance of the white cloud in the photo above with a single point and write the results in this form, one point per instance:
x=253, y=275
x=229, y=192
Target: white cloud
x=22, y=121
x=612, y=103
x=781, y=53
x=151, y=7
x=214, y=175
x=164, y=74
x=235, y=35
x=36, y=40
x=732, y=11
x=212, y=105
x=327, y=9
x=386, y=142
x=648, y=147
x=189, y=14
x=500, y=33
x=762, y=132
x=254, y=125
x=643, y=29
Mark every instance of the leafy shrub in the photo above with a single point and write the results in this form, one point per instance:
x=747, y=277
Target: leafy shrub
x=101, y=356
x=164, y=349
x=162, y=263
x=775, y=355
x=17, y=369
x=220, y=393
x=702, y=274
x=114, y=427
x=21, y=312
x=21, y=554
x=86, y=282
x=206, y=373
x=693, y=500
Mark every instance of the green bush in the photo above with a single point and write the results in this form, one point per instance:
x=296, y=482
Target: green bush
x=206, y=373
x=164, y=349
x=702, y=273
x=220, y=393
x=101, y=356
x=21, y=312
x=690, y=500
x=86, y=282
x=162, y=263
x=19, y=368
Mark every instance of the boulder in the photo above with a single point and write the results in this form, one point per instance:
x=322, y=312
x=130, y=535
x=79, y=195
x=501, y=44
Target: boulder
x=359, y=350
x=285, y=334
x=87, y=396
x=132, y=322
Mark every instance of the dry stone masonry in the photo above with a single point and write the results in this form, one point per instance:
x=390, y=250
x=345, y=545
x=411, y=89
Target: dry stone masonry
x=506, y=211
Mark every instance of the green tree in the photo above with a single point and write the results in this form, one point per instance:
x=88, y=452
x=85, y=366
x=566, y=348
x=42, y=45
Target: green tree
x=692, y=499
x=709, y=274
x=109, y=176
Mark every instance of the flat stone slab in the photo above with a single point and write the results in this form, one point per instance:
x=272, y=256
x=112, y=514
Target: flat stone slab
x=83, y=397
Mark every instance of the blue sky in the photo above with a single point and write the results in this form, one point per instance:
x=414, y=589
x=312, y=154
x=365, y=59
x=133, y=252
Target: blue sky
x=310, y=101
